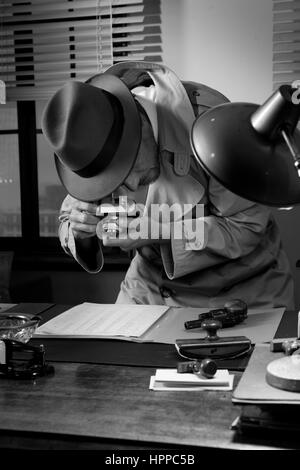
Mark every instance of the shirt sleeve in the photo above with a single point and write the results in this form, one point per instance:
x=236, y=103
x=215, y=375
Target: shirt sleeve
x=233, y=229
x=69, y=243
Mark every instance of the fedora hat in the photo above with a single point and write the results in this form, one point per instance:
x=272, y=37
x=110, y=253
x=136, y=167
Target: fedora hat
x=94, y=129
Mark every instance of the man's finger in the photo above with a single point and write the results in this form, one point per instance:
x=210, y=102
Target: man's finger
x=89, y=207
x=79, y=227
x=83, y=217
x=109, y=240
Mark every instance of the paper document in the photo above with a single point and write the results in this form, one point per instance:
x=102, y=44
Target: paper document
x=103, y=320
x=170, y=379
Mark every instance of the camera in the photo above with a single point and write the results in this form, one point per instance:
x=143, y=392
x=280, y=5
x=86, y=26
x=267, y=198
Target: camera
x=119, y=208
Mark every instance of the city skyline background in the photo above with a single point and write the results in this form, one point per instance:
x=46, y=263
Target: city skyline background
x=51, y=191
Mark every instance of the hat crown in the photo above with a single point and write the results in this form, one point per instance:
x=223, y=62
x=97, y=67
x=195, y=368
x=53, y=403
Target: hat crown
x=77, y=122
x=94, y=129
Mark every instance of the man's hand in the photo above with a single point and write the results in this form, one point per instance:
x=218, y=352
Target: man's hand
x=83, y=220
x=130, y=233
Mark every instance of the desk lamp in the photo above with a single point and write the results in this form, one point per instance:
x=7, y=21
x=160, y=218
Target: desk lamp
x=252, y=149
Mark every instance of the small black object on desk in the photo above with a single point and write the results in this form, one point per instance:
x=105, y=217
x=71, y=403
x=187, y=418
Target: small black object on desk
x=22, y=361
x=233, y=312
x=213, y=346
x=207, y=368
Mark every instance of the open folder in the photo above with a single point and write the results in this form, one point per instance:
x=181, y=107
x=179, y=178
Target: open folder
x=104, y=321
x=150, y=323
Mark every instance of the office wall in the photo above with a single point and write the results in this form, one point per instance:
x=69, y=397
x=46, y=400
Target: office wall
x=225, y=44
x=228, y=45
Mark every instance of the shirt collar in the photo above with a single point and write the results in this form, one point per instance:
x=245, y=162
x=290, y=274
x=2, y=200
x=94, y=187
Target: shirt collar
x=146, y=96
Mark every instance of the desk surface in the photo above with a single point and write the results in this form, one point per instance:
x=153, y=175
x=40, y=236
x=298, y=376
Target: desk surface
x=103, y=406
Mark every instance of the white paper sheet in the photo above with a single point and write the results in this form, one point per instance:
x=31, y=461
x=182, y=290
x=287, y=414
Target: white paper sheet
x=221, y=377
x=170, y=380
x=103, y=320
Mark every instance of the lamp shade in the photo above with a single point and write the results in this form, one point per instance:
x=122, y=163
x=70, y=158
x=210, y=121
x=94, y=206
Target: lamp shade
x=241, y=145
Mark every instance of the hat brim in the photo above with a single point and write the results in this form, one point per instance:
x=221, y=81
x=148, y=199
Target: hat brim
x=101, y=185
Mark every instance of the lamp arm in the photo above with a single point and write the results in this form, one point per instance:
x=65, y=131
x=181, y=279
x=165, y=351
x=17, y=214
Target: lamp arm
x=292, y=148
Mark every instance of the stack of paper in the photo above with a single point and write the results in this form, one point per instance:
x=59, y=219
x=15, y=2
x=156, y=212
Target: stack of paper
x=170, y=379
x=103, y=321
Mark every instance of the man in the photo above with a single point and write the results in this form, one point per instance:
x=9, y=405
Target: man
x=130, y=128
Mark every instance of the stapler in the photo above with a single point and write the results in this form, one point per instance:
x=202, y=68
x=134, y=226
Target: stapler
x=213, y=346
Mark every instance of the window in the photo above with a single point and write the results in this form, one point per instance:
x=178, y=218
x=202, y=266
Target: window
x=50, y=190
x=286, y=42
x=10, y=201
x=42, y=45
x=45, y=43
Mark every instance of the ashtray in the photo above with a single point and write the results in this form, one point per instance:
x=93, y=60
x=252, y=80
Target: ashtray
x=18, y=326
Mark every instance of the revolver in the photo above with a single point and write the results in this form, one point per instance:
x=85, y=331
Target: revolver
x=233, y=312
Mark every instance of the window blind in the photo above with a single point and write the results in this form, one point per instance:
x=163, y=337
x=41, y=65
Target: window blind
x=44, y=43
x=286, y=42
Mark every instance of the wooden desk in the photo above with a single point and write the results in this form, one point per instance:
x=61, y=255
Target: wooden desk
x=102, y=406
